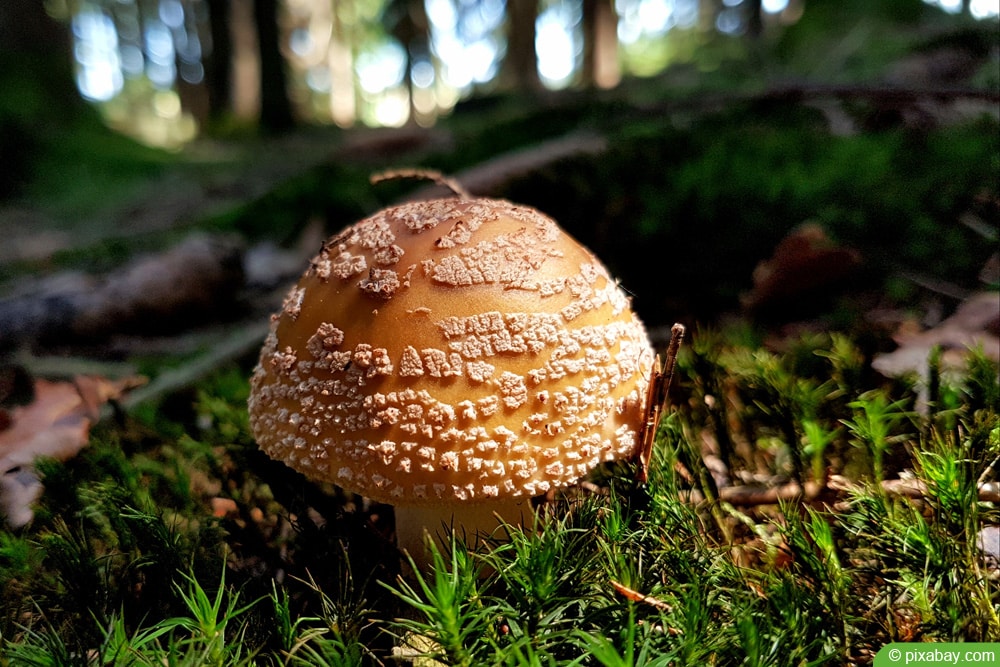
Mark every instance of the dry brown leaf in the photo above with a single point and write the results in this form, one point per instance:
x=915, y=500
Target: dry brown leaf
x=806, y=263
x=55, y=425
x=975, y=322
x=223, y=507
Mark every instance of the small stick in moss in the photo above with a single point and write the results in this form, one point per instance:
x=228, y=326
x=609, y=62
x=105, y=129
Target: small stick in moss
x=656, y=400
x=636, y=596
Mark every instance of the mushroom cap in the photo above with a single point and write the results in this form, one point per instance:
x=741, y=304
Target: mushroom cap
x=452, y=350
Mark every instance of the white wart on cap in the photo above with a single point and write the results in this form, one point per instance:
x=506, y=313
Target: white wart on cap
x=455, y=351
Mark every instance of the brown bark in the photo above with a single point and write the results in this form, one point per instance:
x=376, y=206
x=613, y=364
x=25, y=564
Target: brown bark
x=708, y=10
x=218, y=64
x=35, y=46
x=755, y=22
x=244, y=63
x=410, y=25
x=519, y=70
x=600, y=44
x=275, y=105
x=37, y=86
x=25, y=27
x=194, y=282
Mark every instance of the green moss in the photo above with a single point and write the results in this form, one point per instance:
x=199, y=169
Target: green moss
x=125, y=541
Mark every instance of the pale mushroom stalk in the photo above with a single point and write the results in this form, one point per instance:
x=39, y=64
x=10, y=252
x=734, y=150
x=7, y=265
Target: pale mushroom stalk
x=474, y=523
x=453, y=358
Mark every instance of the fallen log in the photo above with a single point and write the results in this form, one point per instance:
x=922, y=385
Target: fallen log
x=192, y=283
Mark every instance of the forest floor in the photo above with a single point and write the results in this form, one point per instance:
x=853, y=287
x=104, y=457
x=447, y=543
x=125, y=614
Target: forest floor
x=810, y=491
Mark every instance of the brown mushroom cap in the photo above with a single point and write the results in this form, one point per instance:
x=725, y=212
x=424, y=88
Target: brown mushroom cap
x=452, y=350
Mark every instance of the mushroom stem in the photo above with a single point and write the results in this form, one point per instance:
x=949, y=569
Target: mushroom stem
x=476, y=522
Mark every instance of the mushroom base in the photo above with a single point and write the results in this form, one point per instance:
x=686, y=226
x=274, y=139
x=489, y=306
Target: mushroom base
x=475, y=522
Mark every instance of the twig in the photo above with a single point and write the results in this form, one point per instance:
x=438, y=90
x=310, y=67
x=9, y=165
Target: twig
x=799, y=93
x=238, y=343
x=489, y=177
x=750, y=496
x=879, y=94
x=656, y=400
x=636, y=596
x=422, y=174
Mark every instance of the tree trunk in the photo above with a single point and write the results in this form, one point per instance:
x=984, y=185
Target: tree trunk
x=25, y=27
x=218, y=64
x=244, y=64
x=408, y=23
x=519, y=70
x=343, y=92
x=755, y=20
x=275, y=105
x=34, y=45
x=708, y=10
x=37, y=90
x=600, y=44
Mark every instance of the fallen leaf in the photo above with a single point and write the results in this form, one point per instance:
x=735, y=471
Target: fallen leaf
x=56, y=424
x=223, y=507
x=805, y=264
x=975, y=322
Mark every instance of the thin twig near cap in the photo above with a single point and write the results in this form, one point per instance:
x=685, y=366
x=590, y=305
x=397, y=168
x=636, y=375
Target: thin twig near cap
x=656, y=400
x=636, y=596
x=424, y=174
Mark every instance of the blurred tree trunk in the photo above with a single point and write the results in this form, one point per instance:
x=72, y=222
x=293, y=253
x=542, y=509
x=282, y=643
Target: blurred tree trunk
x=275, y=105
x=600, y=44
x=408, y=22
x=519, y=70
x=218, y=64
x=33, y=44
x=755, y=21
x=244, y=92
x=38, y=95
x=26, y=27
x=343, y=83
x=708, y=10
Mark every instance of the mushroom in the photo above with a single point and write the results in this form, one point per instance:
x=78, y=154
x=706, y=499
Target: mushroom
x=454, y=358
